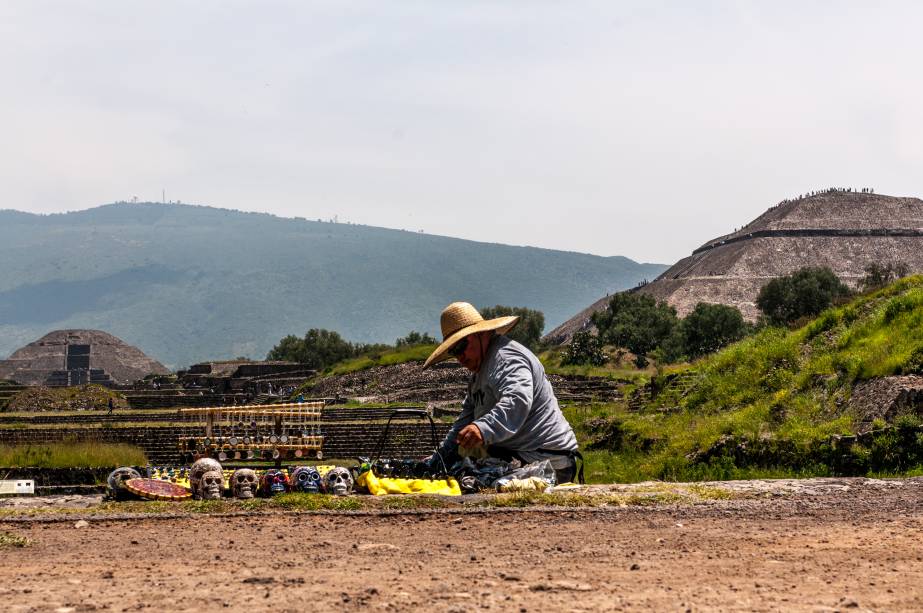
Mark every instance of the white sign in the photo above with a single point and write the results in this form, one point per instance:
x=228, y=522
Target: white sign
x=17, y=486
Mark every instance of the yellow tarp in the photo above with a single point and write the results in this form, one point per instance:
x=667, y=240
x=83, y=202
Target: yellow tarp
x=384, y=485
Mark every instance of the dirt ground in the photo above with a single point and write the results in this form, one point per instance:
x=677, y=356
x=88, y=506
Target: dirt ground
x=828, y=545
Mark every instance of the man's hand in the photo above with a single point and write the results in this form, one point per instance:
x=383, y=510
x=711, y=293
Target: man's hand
x=469, y=437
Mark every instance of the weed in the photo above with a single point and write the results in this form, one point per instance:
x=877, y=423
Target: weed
x=71, y=454
x=13, y=541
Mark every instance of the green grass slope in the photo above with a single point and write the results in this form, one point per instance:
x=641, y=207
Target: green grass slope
x=188, y=283
x=777, y=403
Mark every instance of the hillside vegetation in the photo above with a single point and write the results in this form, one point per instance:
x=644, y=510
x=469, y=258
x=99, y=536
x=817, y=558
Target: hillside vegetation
x=776, y=403
x=190, y=283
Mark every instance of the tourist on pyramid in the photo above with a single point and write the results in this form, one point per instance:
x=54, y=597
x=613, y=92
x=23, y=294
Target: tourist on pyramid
x=510, y=411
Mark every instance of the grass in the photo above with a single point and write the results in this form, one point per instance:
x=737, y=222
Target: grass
x=644, y=495
x=390, y=357
x=784, y=392
x=86, y=397
x=71, y=455
x=13, y=541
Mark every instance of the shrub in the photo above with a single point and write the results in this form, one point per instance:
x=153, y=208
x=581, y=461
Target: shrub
x=877, y=276
x=414, y=338
x=710, y=327
x=529, y=329
x=805, y=292
x=584, y=348
x=636, y=322
x=318, y=349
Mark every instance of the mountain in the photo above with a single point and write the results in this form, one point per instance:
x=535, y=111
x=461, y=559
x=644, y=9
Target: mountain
x=189, y=283
x=843, y=230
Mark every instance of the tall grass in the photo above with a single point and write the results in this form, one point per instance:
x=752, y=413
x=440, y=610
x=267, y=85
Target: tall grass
x=780, y=384
x=71, y=455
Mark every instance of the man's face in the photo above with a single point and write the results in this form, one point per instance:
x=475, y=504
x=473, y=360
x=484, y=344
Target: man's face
x=470, y=358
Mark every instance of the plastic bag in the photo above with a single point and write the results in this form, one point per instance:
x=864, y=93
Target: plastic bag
x=536, y=470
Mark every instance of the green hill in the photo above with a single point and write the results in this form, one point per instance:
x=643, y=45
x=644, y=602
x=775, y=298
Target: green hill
x=188, y=283
x=784, y=402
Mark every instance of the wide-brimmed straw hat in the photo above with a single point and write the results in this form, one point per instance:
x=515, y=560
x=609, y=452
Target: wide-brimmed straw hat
x=460, y=319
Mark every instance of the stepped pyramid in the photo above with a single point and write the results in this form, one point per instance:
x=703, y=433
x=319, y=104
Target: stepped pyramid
x=76, y=357
x=843, y=230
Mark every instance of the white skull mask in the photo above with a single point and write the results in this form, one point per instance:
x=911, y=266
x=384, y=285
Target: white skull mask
x=243, y=483
x=339, y=481
x=199, y=468
x=211, y=485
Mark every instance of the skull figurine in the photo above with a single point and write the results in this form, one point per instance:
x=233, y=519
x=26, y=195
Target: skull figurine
x=199, y=468
x=115, y=483
x=273, y=482
x=306, y=479
x=339, y=481
x=243, y=483
x=211, y=485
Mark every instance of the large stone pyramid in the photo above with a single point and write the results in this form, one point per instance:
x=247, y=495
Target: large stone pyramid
x=843, y=230
x=73, y=357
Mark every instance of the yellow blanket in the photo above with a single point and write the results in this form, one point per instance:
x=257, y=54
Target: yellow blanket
x=380, y=486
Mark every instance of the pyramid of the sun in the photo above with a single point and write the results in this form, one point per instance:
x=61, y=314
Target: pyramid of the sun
x=71, y=357
x=843, y=230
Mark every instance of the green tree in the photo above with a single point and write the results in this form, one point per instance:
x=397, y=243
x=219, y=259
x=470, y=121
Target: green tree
x=529, y=329
x=584, y=348
x=636, y=322
x=415, y=338
x=877, y=276
x=805, y=292
x=710, y=327
x=318, y=349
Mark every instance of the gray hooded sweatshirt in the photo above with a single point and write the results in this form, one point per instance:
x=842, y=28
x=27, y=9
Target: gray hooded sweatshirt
x=511, y=401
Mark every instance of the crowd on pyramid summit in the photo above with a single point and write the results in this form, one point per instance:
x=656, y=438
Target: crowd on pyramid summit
x=829, y=190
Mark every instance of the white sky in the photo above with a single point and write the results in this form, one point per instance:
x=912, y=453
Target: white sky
x=617, y=128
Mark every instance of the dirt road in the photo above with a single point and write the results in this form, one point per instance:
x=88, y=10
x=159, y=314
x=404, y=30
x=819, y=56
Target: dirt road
x=850, y=548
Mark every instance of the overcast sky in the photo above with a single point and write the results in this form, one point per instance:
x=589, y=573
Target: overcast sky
x=616, y=128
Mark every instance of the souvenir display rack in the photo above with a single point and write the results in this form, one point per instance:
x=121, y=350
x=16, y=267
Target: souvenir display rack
x=254, y=432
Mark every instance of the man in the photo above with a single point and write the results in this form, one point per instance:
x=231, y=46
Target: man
x=510, y=410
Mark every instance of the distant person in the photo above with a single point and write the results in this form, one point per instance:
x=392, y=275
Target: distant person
x=111, y=406
x=510, y=411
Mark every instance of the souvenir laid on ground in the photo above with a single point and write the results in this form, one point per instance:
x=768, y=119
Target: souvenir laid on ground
x=306, y=479
x=211, y=485
x=179, y=476
x=492, y=473
x=244, y=483
x=115, y=483
x=339, y=482
x=381, y=486
x=198, y=469
x=273, y=482
x=154, y=489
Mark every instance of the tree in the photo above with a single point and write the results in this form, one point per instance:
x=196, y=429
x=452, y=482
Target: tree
x=710, y=327
x=415, y=338
x=805, y=292
x=636, y=322
x=318, y=349
x=877, y=276
x=529, y=329
x=584, y=348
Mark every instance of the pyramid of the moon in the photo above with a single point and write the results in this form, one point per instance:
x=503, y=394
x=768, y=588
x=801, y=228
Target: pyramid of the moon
x=843, y=230
x=76, y=357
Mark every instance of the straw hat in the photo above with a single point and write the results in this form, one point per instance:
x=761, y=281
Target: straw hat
x=460, y=319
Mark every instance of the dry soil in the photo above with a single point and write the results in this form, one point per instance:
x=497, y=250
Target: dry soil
x=844, y=545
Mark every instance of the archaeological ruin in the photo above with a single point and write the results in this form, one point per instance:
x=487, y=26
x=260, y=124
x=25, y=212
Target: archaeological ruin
x=845, y=230
x=78, y=357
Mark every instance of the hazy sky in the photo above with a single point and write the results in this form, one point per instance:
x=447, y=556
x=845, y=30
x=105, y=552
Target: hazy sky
x=616, y=128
